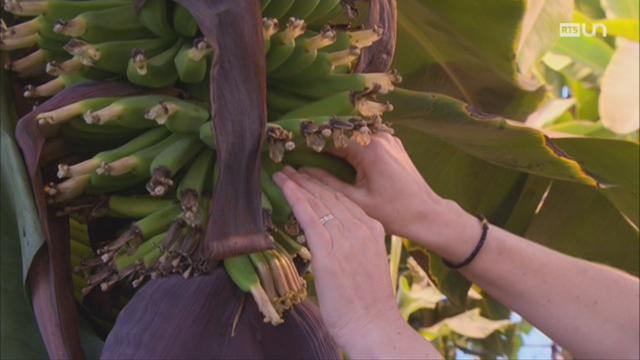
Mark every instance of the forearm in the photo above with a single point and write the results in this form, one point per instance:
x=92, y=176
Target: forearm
x=573, y=301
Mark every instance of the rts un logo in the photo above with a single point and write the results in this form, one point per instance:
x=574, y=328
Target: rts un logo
x=582, y=29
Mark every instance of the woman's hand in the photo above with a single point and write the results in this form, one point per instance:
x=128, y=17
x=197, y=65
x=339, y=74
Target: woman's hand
x=351, y=271
x=390, y=189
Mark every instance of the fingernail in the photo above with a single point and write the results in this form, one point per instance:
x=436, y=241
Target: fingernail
x=288, y=169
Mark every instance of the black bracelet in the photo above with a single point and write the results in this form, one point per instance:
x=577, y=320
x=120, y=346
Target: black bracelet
x=476, y=250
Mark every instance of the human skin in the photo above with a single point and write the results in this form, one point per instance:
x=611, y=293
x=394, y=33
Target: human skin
x=590, y=309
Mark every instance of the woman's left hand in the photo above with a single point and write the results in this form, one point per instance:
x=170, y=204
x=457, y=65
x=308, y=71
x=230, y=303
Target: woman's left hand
x=351, y=270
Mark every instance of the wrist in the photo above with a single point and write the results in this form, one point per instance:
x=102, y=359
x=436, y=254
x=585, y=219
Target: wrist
x=446, y=229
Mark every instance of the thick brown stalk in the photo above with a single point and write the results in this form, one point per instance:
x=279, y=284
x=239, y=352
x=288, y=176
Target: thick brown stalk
x=238, y=95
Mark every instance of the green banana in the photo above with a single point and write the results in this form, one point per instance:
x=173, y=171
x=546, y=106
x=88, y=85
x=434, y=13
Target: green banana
x=155, y=16
x=135, y=207
x=266, y=276
x=167, y=164
x=34, y=63
x=58, y=9
x=322, y=9
x=40, y=25
x=183, y=23
x=113, y=56
x=324, y=65
x=283, y=43
x=284, y=101
x=70, y=111
x=281, y=210
x=278, y=8
x=333, y=165
x=149, y=138
x=148, y=110
x=179, y=116
x=191, y=188
x=269, y=28
x=143, y=229
x=124, y=261
x=136, y=164
x=343, y=103
x=155, y=72
x=88, y=139
x=191, y=62
x=382, y=82
x=304, y=54
x=291, y=246
x=243, y=274
x=105, y=25
x=54, y=86
x=207, y=136
x=302, y=9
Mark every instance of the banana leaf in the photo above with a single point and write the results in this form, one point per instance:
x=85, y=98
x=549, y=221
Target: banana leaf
x=480, y=52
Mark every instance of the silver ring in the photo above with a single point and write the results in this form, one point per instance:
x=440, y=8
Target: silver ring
x=325, y=219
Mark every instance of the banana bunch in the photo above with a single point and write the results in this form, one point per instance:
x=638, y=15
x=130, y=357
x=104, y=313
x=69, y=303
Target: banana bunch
x=77, y=41
x=150, y=159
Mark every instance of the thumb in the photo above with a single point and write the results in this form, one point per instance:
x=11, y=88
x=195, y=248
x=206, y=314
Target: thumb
x=331, y=181
x=352, y=152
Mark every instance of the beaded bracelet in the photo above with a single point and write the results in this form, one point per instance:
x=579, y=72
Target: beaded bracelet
x=476, y=250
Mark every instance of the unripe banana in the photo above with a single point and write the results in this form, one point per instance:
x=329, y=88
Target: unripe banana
x=105, y=25
x=269, y=28
x=207, y=136
x=322, y=9
x=138, y=163
x=135, y=207
x=342, y=104
x=88, y=139
x=283, y=43
x=124, y=261
x=243, y=274
x=58, y=9
x=167, y=164
x=155, y=72
x=183, y=23
x=302, y=9
x=191, y=62
x=113, y=56
x=155, y=16
x=278, y=8
x=283, y=101
x=281, y=209
x=147, y=139
x=70, y=111
x=381, y=82
x=191, y=188
x=304, y=54
x=54, y=86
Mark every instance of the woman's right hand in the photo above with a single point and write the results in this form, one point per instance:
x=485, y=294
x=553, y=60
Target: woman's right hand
x=391, y=190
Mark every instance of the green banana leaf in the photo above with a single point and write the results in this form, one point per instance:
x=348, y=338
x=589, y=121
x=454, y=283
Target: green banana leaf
x=478, y=51
x=20, y=239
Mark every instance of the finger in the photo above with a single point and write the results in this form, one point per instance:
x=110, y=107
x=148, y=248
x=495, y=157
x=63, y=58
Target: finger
x=324, y=194
x=331, y=181
x=317, y=235
x=360, y=215
x=334, y=227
